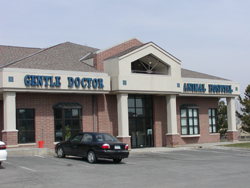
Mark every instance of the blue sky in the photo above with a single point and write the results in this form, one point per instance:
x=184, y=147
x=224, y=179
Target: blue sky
x=208, y=36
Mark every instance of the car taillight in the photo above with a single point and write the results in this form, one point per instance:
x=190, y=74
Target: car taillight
x=2, y=146
x=106, y=146
x=126, y=147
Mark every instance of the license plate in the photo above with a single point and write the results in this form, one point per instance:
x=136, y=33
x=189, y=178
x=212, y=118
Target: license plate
x=117, y=147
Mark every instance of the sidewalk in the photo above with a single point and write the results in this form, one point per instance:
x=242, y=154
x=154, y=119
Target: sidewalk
x=45, y=151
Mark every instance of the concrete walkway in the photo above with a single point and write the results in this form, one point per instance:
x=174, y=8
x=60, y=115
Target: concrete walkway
x=45, y=151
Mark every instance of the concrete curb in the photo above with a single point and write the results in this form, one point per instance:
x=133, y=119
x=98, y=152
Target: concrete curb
x=30, y=151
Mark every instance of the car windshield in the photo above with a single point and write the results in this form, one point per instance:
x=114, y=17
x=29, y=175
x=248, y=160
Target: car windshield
x=105, y=138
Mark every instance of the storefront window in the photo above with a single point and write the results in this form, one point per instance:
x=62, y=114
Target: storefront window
x=68, y=122
x=26, y=125
x=212, y=120
x=189, y=120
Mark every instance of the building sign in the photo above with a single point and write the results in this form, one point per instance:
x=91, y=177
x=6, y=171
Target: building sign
x=212, y=88
x=35, y=80
x=194, y=87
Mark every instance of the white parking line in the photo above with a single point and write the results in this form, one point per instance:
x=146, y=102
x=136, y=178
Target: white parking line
x=169, y=153
x=86, y=166
x=39, y=156
x=27, y=168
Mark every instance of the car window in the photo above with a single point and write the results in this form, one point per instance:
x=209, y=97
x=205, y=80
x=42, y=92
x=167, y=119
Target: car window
x=105, y=137
x=76, y=138
x=87, y=138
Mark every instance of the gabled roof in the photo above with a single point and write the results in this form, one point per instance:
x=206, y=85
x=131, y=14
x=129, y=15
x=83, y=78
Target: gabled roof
x=12, y=53
x=192, y=74
x=63, y=56
x=137, y=47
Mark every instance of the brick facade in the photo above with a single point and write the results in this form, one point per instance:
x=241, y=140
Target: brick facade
x=232, y=136
x=204, y=104
x=98, y=58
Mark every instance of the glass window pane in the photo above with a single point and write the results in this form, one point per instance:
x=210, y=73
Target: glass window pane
x=22, y=125
x=209, y=112
x=190, y=121
x=184, y=130
x=22, y=114
x=210, y=129
x=213, y=112
x=58, y=114
x=210, y=121
x=67, y=124
x=148, y=112
x=22, y=137
x=58, y=136
x=190, y=112
x=195, y=121
x=183, y=112
x=148, y=103
x=75, y=113
x=67, y=113
x=58, y=125
x=75, y=124
x=214, y=128
x=191, y=130
x=195, y=111
x=196, y=130
x=139, y=102
x=131, y=112
x=30, y=125
x=213, y=120
x=67, y=135
x=140, y=112
x=30, y=136
x=183, y=121
x=29, y=113
x=131, y=102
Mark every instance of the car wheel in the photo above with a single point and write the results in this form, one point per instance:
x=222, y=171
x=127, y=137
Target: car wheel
x=117, y=160
x=91, y=157
x=60, y=152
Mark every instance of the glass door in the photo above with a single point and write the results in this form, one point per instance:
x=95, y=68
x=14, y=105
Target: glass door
x=140, y=120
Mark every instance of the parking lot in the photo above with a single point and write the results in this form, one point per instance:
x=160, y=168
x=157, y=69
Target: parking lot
x=179, y=168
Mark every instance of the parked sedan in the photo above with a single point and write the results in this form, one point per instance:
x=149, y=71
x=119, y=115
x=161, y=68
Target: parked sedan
x=93, y=145
x=3, y=152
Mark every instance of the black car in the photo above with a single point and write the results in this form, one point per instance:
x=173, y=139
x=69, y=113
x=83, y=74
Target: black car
x=93, y=145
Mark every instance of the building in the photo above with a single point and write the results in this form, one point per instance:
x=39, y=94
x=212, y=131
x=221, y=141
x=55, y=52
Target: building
x=133, y=90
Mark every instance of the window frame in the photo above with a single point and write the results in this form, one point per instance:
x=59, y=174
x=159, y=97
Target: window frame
x=71, y=119
x=210, y=118
x=25, y=131
x=189, y=119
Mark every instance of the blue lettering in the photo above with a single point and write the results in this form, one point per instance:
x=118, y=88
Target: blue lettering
x=196, y=87
x=52, y=84
x=94, y=83
x=33, y=80
x=185, y=87
x=46, y=78
x=89, y=82
x=77, y=82
x=70, y=82
x=84, y=85
x=58, y=81
x=27, y=80
x=100, y=80
x=189, y=87
x=203, y=86
x=40, y=80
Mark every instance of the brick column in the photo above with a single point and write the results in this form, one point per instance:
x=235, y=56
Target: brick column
x=123, y=128
x=172, y=137
x=232, y=133
x=9, y=133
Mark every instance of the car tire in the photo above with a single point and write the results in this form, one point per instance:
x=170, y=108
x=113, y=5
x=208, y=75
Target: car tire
x=91, y=157
x=60, y=152
x=0, y=163
x=117, y=160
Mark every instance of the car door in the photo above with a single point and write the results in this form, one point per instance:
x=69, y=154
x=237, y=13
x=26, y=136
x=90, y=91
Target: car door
x=72, y=144
x=85, y=144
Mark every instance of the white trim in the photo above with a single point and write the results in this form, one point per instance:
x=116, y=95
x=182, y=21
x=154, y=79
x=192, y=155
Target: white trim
x=84, y=57
x=201, y=80
x=27, y=144
x=156, y=47
x=214, y=134
x=99, y=51
x=190, y=136
x=43, y=71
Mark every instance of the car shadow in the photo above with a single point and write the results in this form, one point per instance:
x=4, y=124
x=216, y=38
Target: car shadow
x=99, y=161
x=1, y=167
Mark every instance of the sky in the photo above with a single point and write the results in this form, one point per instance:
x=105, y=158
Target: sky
x=208, y=36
